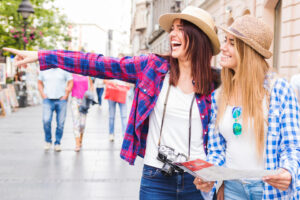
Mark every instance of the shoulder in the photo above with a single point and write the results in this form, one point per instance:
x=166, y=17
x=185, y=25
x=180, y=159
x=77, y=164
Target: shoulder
x=158, y=58
x=68, y=74
x=282, y=92
x=281, y=86
x=156, y=63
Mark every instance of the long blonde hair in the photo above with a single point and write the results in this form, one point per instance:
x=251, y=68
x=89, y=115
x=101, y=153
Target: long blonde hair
x=249, y=76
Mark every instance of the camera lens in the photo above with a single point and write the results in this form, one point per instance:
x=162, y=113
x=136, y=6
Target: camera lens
x=167, y=170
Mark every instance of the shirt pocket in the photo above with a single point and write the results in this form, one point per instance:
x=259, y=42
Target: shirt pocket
x=145, y=87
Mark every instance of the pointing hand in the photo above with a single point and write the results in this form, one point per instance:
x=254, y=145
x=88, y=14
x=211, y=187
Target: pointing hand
x=23, y=57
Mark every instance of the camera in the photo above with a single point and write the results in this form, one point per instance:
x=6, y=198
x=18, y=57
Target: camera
x=168, y=156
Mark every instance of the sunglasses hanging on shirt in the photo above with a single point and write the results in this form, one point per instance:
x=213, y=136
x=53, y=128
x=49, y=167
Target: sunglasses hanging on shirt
x=237, y=126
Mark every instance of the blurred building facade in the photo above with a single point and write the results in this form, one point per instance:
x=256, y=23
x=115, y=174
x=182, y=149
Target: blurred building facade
x=93, y=38
x=283, y=17
x=87, y=37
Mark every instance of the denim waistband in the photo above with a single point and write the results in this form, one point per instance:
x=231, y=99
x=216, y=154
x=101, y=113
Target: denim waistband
x=160, y=170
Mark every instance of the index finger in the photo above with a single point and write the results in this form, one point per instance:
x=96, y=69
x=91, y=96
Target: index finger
x=11, y=50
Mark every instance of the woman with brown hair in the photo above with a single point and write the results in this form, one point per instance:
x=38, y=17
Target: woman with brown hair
x=171, y=106
x=255, y=117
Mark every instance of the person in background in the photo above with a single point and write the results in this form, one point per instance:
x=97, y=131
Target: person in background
x=174, y=89
x=254, y=118
x=54, y=86
x=81, y=84
x=112, y=110
x=99, y=85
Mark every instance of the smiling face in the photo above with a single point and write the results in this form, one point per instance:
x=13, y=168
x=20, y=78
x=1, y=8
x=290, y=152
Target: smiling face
x=177, y=41
x=229, y=53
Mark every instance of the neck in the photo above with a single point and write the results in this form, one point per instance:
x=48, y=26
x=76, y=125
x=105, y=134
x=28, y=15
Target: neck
x=185, y=68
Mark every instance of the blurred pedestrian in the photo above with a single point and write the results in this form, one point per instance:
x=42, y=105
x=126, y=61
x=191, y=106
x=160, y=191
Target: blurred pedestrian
x=99, y=85
x=254, y=117
x=54, y=86
x=174, y=89
x=81, y=84
x=120, y=96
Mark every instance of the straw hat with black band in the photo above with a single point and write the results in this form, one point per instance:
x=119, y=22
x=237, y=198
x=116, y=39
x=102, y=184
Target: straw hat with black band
x=254, y=32
x=199, y=17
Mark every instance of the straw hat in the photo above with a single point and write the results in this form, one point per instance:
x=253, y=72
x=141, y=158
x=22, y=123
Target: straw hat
x=199, y=17
x=253, y=32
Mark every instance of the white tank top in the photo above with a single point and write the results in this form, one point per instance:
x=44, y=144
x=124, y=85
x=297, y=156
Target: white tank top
x=241, y=150
x=175, y=131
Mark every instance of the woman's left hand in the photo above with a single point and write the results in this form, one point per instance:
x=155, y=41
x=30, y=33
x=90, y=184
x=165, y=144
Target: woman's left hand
x=280, y=181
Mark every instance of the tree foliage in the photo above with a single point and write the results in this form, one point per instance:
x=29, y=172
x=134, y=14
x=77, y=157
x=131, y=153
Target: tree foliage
x=46, y=29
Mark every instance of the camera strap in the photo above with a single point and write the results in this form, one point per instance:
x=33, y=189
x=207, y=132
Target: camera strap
x=190, y=120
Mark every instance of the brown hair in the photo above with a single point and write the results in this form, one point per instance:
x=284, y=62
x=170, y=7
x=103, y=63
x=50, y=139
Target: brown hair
x=200, y=52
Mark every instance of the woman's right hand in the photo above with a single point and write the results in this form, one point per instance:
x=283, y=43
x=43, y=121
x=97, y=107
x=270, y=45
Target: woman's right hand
x=202, y=185
x=23, y=57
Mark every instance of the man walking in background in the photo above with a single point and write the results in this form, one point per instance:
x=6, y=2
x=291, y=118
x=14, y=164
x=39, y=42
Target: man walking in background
x=54, y=86
x=99, y=85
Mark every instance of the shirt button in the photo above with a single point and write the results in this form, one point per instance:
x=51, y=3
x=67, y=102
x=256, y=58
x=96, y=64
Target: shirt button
x=205, y=132
x=145, y=90
x=202, y=116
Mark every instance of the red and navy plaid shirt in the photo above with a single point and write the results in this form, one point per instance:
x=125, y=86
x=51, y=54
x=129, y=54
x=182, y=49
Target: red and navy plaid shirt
x=146, y=71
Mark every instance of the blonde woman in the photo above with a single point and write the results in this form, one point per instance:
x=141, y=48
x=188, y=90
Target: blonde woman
x=255, y=117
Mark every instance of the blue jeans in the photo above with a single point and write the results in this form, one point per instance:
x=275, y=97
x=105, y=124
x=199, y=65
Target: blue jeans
x=99, y=94
x=248, y=190
x=60, y=107
x=156, y=186
x=112, y=113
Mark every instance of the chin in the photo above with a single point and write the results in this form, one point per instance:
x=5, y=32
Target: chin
x=174, y=55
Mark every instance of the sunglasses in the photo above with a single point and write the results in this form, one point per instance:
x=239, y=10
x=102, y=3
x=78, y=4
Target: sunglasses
x=237, y=127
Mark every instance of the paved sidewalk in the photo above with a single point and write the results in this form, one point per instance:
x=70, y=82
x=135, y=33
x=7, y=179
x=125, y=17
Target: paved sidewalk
x=27, y=172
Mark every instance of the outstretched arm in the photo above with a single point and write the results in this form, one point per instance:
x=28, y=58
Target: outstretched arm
x=88, y=64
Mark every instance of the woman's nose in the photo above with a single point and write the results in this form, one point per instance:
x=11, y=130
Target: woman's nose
x=224, y=47
x=172, y=33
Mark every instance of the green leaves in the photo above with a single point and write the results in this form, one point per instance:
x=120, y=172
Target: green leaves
x=46, y=28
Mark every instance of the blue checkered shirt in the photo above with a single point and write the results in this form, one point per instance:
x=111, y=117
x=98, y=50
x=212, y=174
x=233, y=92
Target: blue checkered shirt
x=282, y=141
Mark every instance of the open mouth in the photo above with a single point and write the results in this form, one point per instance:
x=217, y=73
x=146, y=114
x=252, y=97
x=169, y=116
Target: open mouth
x=175, y=44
